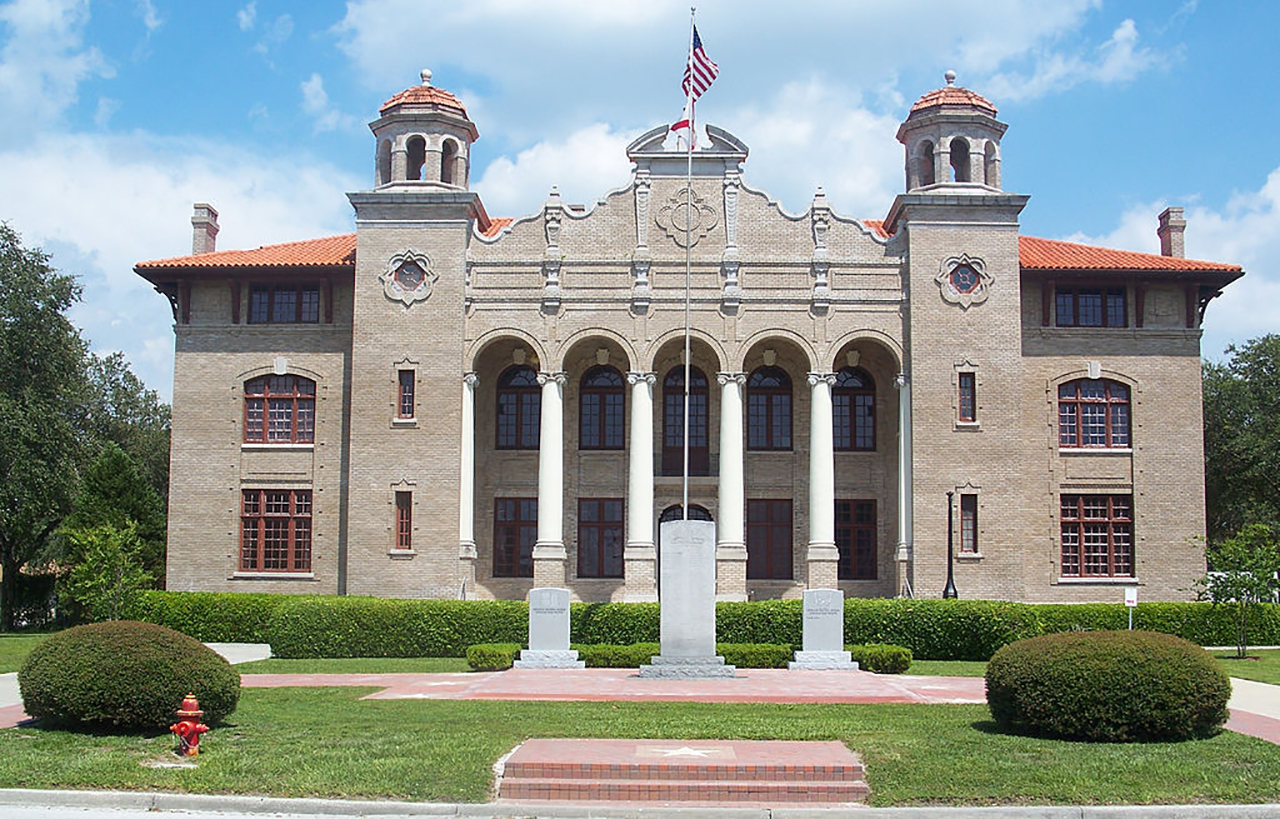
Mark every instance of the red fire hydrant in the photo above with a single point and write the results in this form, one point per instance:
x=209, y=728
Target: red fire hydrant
x=189, y=728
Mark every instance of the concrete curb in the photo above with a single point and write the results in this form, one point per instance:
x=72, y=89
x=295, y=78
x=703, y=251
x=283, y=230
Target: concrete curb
x=205, y=803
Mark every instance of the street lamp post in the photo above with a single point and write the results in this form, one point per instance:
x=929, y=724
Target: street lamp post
x=949, y=591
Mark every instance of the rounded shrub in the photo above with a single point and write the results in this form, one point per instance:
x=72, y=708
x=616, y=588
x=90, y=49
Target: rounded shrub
x=124, y=673
x=1107, y=686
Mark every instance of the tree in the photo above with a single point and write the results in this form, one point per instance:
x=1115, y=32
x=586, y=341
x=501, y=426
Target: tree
x=109, y=571
x=114, y=492
x=125, y=412
x=43, y=394
x=1242, y=437
x=1243, y=574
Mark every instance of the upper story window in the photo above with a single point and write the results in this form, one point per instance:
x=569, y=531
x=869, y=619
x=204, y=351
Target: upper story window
x=1092, y=307
x=769, y=409
x=601, y=409
x=519, y=408
x=673, y=422
x=284, y=304
x=280, y=409
x=853, y=402
x=1093, y=413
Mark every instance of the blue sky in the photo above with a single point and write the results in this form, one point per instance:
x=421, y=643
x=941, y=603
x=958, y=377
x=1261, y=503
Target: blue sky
x=121, y=113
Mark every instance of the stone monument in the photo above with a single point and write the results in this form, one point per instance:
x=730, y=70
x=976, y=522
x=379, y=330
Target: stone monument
x=824, y=633
x=549, y=632
x=688, y=607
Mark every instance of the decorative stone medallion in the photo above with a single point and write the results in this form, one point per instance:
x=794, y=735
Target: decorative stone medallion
x=409, y=277
x=964, y=280
x=681, y=210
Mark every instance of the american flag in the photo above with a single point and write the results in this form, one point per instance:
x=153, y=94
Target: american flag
x=699, y=72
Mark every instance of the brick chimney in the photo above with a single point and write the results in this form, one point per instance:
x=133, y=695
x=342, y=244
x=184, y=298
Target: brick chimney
x=1170, y=232
x=204, y=229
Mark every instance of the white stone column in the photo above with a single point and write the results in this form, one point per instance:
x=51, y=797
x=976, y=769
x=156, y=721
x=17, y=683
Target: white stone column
x=904, y=555
x=640, y=581
x=731, y=541
x=467, y=486
x=550, y=561
x=822, y=558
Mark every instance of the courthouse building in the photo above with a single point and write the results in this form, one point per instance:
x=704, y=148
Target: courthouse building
x=450, y=404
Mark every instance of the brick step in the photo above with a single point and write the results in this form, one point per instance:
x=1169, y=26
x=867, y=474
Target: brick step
x=691, y=791
x=702, y=770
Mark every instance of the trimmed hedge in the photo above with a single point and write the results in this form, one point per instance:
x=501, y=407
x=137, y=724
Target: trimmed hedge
x=615, y=656
x=1107, y=686
x=328, y=626
x=492, y=656
x=124, y=673
x=880, y=658
x=211, y=617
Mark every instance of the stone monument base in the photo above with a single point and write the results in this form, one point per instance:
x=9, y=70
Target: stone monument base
x=823, y=661
x=549, y=659
x=685, y=668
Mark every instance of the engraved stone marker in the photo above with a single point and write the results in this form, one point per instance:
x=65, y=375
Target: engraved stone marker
x=549, y=632
x=688, y=607
x=824, y=632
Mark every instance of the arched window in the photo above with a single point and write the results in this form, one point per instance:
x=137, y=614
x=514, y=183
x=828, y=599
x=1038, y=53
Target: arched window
x=280, y=409
x=854, y=405
x=991, y=165
x=519, y=408
x=601, y=413
x=959, y=160
x=417, y=150
x=769, y=409
x=384, y=162
x=676, y=512
x=1093, y=413
x=673, y=423
x=925, y=158
x=448, y=154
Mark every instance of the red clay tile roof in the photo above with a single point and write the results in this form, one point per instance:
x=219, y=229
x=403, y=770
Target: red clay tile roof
x=326, y=252
x=878, y=226
x=1050, y=254
x=953, y=95
x=496, y=223
x=424, y=95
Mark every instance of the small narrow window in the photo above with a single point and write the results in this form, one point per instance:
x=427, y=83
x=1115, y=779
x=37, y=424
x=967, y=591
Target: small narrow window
x=404, y=521
x=448, y=154
x=406, y=402
x=968, y=397
x=959, y=160
x=969, y=524
x=926, y=164
x=417, y=157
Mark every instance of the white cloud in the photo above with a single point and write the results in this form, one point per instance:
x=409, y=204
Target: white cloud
x=42, y=63
x=247, y=16
x=128, y=198
x=1118, y=60
x=279, y=30
x=315, y=102
x=584, y=165
x=150, y=17
x=106, y=109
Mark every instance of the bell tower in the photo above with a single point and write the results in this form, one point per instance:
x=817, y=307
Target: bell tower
x=952, y=139
x=424, y=139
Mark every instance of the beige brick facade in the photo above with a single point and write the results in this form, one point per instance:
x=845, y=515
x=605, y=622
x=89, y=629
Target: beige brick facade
x=943, y=294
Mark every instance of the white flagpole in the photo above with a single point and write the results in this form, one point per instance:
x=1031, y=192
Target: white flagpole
x=688, y=263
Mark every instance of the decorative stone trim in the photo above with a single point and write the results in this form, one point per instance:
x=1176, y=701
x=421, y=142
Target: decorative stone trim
x=671, y=217
x=408, y=278
x=964, y=280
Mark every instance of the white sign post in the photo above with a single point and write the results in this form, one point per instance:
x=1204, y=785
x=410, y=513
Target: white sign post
x=1131, y=600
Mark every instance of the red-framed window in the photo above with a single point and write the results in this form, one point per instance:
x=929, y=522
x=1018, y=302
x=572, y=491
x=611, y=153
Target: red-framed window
x=280, y=409
x=284, y=304
x=1092, y=307
x=407, y=380
x=1097, y=535
x=853, y=402
x=275, y=530
x=601, y=409
x=600, y=537
x=519, y=408
x=1093, y=413
x=404, y=521
x=968, y=403
x=673, y=423
x=769, y=409
x=969, y=524
x=856, y=539
x=515, y=531
x=769, y=540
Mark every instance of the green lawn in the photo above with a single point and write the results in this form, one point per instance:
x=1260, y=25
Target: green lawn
x=357, y=665
x=326, y=742
x=1266, y=668
x=947, y=668
x=14, y=649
